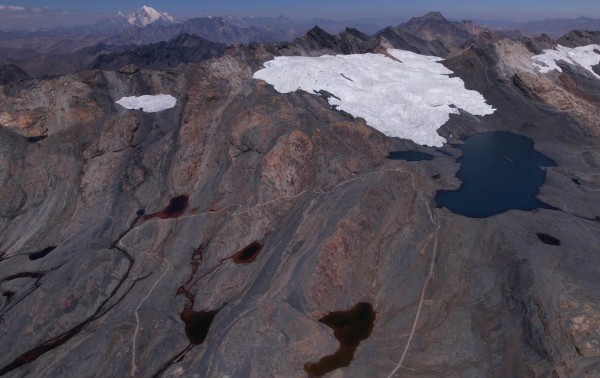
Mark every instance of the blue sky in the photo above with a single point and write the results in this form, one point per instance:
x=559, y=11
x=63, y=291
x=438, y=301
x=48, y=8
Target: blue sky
x=516, y=10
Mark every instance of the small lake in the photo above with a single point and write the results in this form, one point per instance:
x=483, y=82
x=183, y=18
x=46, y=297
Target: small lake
x=410, y=156
x=499, y=171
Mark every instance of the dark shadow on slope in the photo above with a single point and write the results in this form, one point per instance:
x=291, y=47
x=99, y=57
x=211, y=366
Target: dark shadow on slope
x=41, y=254
x=547, y=239
x=174, y=209
x=248, y=254
x=197, y=324
x=349, y=328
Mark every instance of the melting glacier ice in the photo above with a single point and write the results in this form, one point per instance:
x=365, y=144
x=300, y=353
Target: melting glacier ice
x=403, y=94
x=584, y=56
x=148, y=103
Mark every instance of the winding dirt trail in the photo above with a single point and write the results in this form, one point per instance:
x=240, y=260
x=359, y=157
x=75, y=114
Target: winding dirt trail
x=137, y=317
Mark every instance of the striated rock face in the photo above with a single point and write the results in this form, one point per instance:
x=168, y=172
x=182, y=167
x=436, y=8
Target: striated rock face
x=224, y=236
x=563, y=98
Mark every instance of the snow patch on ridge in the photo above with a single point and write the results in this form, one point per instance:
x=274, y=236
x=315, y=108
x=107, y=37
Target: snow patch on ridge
x=148, y=103
x=584, y=56
x=410, y=98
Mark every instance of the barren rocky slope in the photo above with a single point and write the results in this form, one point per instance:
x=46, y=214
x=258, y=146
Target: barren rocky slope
x=209, y=239
x=10, y=73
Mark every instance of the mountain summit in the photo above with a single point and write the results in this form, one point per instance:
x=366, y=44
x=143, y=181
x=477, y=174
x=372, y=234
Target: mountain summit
x=433, y=16
x=435, y=27
x=147, y=15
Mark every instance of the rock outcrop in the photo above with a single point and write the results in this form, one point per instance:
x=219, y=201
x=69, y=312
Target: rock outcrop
x=577, y=38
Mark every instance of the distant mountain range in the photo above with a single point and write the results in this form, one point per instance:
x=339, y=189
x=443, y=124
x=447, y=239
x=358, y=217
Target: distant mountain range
x=147, y=25
x=140, y=37
x=159, y=45
x=552, y=27
x=232, y=30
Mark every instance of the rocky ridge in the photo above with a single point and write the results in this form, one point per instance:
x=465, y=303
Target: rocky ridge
x=10, y=73
x=577, y=38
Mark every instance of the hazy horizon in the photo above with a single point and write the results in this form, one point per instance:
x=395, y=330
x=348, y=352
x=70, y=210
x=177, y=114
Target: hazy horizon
x=31, y=14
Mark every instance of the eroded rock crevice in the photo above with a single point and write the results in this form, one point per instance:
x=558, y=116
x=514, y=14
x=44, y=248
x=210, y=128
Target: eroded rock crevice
x=33, y=354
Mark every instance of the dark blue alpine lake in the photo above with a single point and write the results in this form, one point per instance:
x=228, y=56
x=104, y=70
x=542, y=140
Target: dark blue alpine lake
x=410, y=156
x=499, y=171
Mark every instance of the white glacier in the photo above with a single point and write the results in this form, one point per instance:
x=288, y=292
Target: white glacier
x=148, y=103
x=584, y=56
x=411, y=97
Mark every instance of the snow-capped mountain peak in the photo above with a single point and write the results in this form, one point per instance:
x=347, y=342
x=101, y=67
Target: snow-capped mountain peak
x=147, y=15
